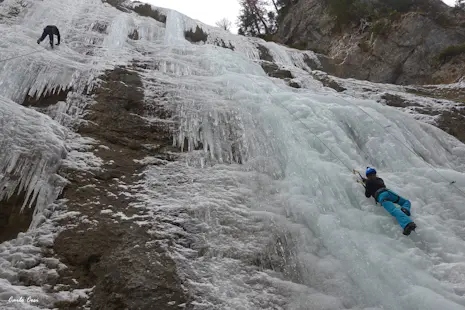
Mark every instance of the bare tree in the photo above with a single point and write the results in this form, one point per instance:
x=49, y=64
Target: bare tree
x=275, y=4
x=253, y=17
x=224, y=23
x=261, y=18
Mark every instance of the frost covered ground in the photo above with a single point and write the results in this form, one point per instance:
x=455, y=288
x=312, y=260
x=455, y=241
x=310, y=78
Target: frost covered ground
x=264, y=204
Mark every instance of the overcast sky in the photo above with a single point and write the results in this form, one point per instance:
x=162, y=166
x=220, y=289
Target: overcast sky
x=210, y=11
x=207, y=11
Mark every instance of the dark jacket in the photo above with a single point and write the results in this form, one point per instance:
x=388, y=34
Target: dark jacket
x=51, y=30
x=374, y=187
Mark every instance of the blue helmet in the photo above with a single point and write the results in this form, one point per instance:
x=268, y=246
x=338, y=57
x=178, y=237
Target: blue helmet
x=370, y=171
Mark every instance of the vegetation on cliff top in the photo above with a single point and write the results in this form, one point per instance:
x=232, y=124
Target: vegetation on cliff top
x=262, y=18
x=351, y=11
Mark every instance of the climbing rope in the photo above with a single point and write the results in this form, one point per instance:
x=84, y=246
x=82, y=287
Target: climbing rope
x=308, y=128
x=35, y=51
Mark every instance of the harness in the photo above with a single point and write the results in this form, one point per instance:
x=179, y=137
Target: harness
x=382, y=190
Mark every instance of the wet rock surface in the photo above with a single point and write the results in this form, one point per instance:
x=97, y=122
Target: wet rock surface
x=143, y=9
x=196, y=36
x=264, y=53
x=453, y=122
x=328, y=81
x=134, y=35
x=147, y=10
x=13, y=220
x=108, y=247
x=222, y=43
x=451, y=118
x=46, y=100
x=273, y=70
x=397, y=101
x=294, y=84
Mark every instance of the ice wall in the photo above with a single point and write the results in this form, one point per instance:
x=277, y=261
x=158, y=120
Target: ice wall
x=32, y=146
x=268, y=197
x=275, y=219
x=94, y=37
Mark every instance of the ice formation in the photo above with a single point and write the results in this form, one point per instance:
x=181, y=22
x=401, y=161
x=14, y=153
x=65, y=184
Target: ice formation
x=276, y=219
x=32, y=147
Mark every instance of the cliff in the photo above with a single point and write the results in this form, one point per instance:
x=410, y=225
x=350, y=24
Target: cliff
x=409, y=42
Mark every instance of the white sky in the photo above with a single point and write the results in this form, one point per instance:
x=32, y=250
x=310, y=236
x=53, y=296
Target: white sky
x=206, y=11
x=210, y=11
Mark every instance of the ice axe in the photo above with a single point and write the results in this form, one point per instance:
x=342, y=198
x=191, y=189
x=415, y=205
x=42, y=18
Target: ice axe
x=361, y=178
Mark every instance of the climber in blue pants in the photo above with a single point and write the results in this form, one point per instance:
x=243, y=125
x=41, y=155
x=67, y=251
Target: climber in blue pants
x=374, y=187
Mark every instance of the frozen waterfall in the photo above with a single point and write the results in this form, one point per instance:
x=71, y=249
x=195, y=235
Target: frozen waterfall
x=278, y=221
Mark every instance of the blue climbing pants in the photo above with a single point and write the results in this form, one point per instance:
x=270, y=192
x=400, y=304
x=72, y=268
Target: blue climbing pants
x=387, y=199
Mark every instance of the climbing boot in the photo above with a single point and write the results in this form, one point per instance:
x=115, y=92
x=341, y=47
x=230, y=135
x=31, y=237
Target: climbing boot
x=409, y=228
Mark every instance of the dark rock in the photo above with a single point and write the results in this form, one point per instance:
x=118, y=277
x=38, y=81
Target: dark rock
x=312, y=63
x=115, y=116
x=328, y=65
x=397, y=101
x=108, y=174
x=264, y=53
x=196, y=36
x=47, y=99
x=118, y=4
x=30, y=277
x=274, y=71
x=99, y=27
x=334, y=85
x=453, y=94
x=12, y=219
x=148, y=11
x=114, y=256
x=134, y=35
x=84, y=252
x=329, y=82
x=131, y=286
x=221, y=43
x=427, y=111
x=453, y=122
x=294, y=84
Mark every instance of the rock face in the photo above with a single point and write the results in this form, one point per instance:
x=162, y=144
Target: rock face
x=104, y=254
x=13, y=220
x=399, y=48
x=451, y=120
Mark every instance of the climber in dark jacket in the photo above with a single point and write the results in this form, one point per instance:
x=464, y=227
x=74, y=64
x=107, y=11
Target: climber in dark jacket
x=374, y=187
x=49, y=31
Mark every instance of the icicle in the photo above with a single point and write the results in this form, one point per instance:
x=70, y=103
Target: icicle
x=35, y=147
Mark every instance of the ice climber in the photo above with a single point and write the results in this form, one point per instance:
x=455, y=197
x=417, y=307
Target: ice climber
x=49, y=31
x=374, y=187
